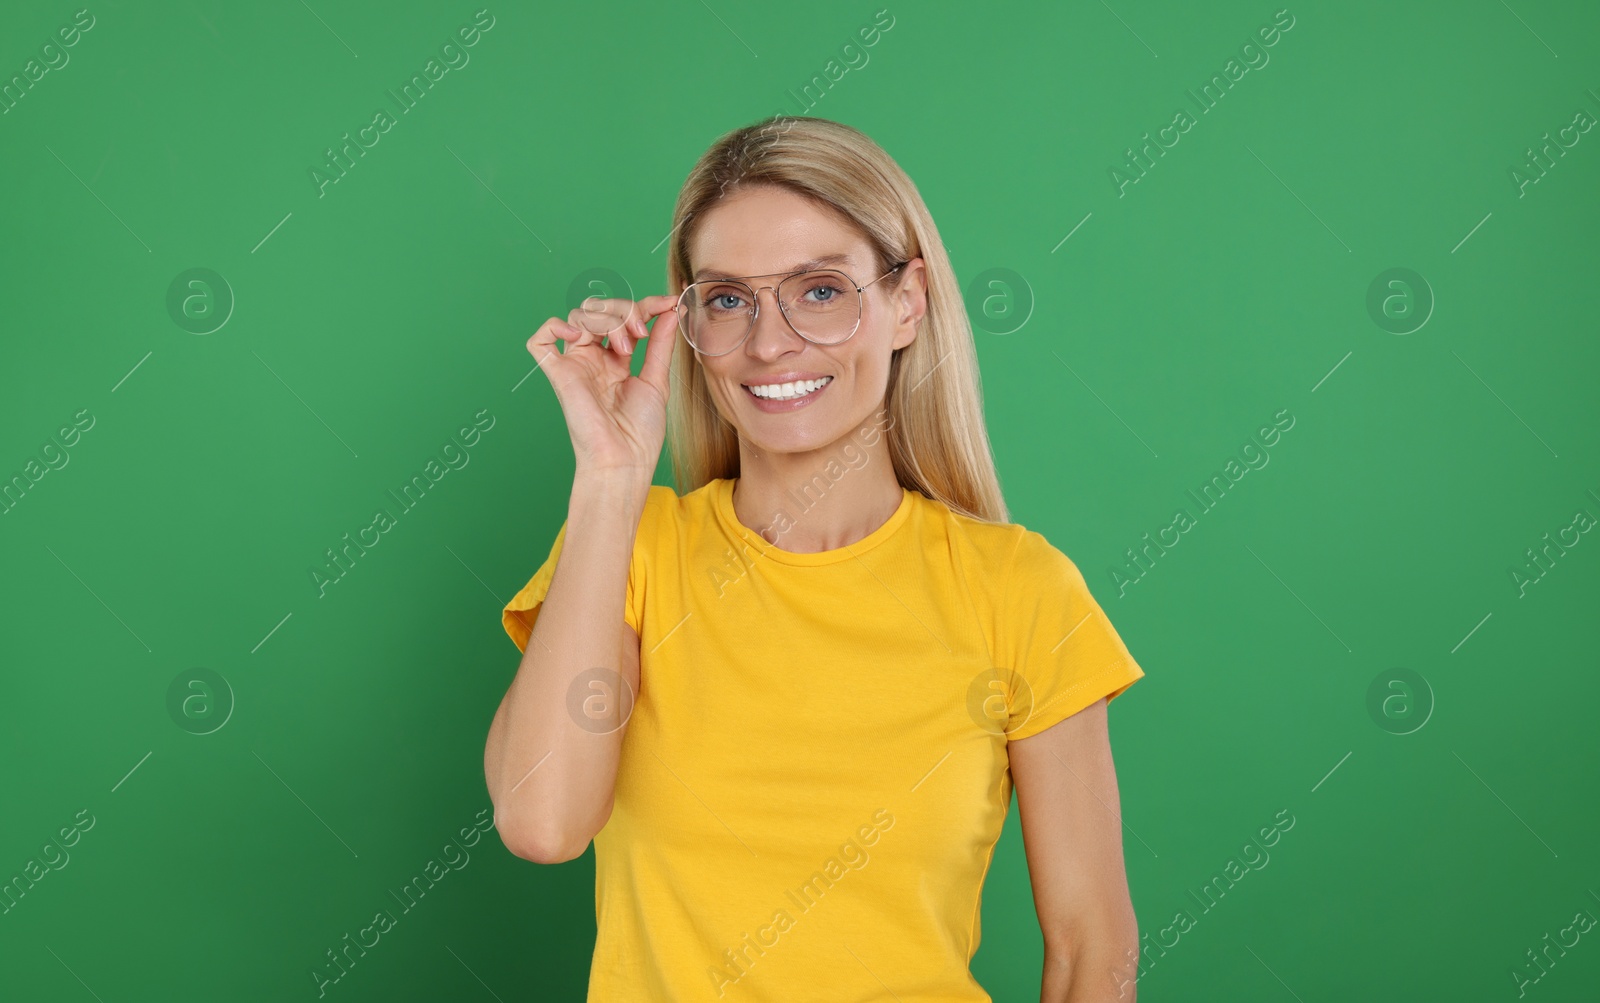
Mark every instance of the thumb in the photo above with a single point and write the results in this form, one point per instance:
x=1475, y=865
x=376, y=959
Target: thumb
x=658, y=352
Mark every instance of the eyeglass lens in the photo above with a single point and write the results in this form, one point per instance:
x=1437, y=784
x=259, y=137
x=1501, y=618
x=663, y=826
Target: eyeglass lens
x=823, y=306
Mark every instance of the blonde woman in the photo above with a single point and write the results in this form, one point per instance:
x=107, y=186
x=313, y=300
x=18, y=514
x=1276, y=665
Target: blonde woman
x=788, y=702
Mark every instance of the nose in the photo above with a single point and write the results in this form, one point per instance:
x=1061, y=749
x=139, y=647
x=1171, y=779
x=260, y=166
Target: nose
x=771, y=334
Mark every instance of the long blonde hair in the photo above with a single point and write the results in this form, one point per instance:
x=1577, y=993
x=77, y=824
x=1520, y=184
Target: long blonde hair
x=937, y=439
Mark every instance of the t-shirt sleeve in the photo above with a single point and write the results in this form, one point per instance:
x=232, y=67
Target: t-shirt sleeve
x=520, y=614
x=1055, y=642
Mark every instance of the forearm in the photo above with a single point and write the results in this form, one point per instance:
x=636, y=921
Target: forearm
x=551, y=780
x=1097, y=967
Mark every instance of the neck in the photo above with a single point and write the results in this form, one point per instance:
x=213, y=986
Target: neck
x=822, y=499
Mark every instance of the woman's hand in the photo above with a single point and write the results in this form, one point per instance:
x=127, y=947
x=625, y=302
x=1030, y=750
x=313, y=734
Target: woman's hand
x=617, y=421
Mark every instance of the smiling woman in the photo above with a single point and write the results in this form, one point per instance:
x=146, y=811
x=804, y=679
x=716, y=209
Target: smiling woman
x=905, y=652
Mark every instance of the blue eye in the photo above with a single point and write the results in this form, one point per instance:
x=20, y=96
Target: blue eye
x=723, y=299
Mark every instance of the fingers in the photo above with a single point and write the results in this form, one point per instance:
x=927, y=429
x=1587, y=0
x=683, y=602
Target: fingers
x=633, y=331
x=543, y=343
x=634, y=326
x=658, y=352
x=609, y=318
x=622, y=323
x=656, y=305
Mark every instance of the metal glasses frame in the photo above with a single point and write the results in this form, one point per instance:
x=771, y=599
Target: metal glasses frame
x=755, y=303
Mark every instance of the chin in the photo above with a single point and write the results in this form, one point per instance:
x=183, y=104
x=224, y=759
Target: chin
x=772, y=439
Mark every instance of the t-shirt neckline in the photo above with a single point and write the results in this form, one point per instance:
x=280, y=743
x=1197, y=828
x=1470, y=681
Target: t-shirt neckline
x=723, y=495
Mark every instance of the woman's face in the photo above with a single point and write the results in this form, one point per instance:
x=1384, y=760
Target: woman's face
x=768, y=232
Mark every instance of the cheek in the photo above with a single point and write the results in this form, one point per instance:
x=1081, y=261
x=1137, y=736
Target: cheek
x=725, y=394
x=869, y=364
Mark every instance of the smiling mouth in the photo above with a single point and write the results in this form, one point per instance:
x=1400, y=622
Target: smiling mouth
x=788, y=391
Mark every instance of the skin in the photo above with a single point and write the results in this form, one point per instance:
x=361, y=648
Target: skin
x=1071, y=815
x=764, y=233
x=1064, y=777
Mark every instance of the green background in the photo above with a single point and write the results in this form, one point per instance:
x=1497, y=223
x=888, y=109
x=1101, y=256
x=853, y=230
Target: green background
x=375, y=319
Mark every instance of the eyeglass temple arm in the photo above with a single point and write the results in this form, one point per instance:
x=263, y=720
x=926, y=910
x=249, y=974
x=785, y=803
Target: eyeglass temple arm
x=890, y=272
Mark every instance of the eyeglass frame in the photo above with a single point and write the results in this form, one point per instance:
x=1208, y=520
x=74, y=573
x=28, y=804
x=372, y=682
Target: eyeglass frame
x=755, y=303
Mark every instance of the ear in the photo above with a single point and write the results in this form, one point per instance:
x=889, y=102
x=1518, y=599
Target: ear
x=910, y=301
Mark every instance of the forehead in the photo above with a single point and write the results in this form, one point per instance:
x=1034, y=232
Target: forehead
x=770, y=231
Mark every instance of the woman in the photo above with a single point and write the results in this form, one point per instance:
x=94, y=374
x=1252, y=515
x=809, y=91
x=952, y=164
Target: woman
x=789, y=705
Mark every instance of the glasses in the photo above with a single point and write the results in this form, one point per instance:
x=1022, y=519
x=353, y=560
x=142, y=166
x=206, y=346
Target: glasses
x=822, y=306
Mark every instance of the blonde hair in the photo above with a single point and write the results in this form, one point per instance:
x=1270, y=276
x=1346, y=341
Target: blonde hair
x=938, y=442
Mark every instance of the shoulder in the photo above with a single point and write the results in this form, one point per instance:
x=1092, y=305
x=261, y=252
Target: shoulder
x=988, y=548
x=664, y=504
x=1040, y=566
x=662, y=508
x=667, y=514
x=660, y=498
x=1012, y=558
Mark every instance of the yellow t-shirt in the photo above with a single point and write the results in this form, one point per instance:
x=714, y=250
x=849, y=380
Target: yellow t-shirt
x=814, y=774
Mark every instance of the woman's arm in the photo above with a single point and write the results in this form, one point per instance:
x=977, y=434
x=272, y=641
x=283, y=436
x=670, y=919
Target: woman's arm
x=1072, y=830
x=550, y=780
x=551, y=777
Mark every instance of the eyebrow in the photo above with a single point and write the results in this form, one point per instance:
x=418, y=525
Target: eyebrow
x=804, y=266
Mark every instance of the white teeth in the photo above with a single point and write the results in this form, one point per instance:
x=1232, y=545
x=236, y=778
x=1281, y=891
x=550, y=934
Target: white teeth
x=789, y=391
